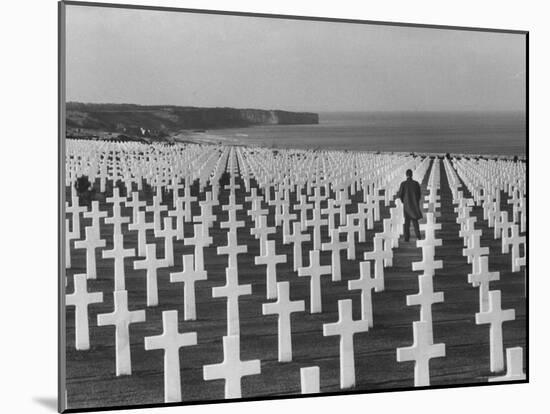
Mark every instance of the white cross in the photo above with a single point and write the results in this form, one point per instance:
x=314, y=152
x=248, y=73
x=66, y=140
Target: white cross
x=515, y=240
x=68, y=237
x=75, y=209
x=121, y=318
x=80, y=299
x=500, y=224
x=388, y=235
x=168, y=233
x=316, y=222
x=350, y=228
x=232, y=249
x=262, y=232
x=96, y=215
x=232, y=223
x=317, y=198
x=270, y=259
x=117, y=220
x=157, y=208
x=253, y=195
x=428, y=265
x=170, y=341
x=475, y=251
x=141, y=226
x=286, y=219
x=91, y=242
x=297, y=238
x=361, y=216
x=188, y=276
x=232, y=290
x=376, y=198
x=482, y=280
x=342, y=201
x=200, y=240
x=429, y=229
x=335, y=246
x=175, y=186
x=119, y=253
x=468, y=231
x=422, y=350
x=179, y=214
x=256, y=211
x=135, y=205
x=188, y=200
x=284, y=307
x=514, y=366
x=378, y=254
x=278, y=203
x=365, y=284
x=151, y=264
x=303, y=207
x=315, y=271
x=425, y=297
x=232, y=369
x=331, y=211
x=116, y=199
x=495, y=316
x=309, y=380
x=346, y=328
x=206, y=217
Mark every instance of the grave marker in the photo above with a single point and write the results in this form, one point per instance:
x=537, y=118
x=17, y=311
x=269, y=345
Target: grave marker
x=482, y=280
x=346, y=328
x=232, y=290
x=284, y=307
x=425, y=297
x=315, y=271
x=270, y=259
x=91, y=242
x=378, y=254
x=232, y=369
x=335, y=246
x=422, y=350
x=119, y=253
x=81, y=299
x=151, y=264
x=309, y=379
x=495, y=316
x=170, y=341
x=366, y=284
x=514, y=366
x=121, y=318
x=188, y=276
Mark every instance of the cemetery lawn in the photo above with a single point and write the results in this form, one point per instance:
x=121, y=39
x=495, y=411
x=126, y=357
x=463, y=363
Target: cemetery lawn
x=91, y=380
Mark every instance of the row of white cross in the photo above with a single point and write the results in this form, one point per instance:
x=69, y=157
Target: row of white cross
x=423, y=348
x=232, y=368
x=490, y=310
x=121, y=318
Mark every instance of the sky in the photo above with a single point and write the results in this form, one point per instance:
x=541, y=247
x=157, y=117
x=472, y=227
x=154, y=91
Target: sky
x=190, y=59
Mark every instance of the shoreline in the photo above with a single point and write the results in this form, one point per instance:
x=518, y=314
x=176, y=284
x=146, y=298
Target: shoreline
x=208, y=138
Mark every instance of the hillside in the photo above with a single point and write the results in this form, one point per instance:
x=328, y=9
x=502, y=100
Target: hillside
x=164, y=120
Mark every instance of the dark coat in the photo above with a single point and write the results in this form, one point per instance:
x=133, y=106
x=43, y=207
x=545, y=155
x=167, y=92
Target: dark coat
x=410, y=194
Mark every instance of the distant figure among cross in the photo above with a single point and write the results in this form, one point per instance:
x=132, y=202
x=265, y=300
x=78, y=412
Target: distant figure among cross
x=410, y=194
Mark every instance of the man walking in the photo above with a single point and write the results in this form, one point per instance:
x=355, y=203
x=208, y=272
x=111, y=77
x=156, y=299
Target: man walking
x=409, y=193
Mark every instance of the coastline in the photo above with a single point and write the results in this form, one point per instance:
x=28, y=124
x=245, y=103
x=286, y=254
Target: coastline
x=211, y=138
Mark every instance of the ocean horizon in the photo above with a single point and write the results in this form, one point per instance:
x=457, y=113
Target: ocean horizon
x=461, y=132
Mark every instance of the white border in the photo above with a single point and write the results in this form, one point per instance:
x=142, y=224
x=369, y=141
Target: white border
x=29, y=203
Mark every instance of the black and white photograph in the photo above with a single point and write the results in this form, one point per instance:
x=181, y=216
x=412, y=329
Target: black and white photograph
x=263, y=206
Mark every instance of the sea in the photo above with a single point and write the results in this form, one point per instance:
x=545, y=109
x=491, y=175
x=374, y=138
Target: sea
x=496, y=133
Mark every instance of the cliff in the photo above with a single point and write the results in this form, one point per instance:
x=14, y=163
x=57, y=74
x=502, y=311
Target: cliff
x=163, y=120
